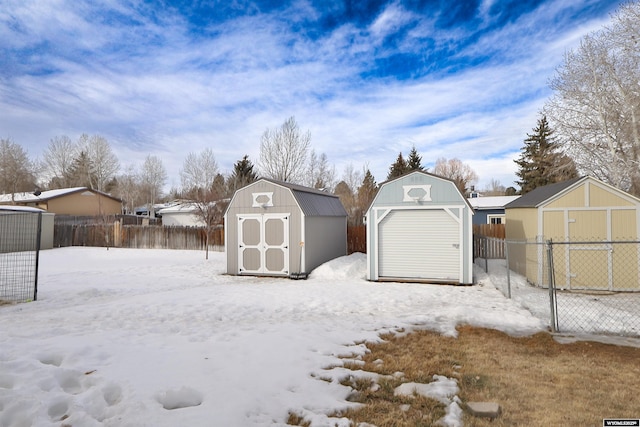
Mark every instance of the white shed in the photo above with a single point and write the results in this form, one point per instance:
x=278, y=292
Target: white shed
x=275, y=228
x=419, y=228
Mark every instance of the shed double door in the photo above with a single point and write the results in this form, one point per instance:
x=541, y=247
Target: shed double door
x=263, y=244
x=421, y=244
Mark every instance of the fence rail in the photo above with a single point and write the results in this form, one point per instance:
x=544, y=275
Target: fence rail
x=577, y=287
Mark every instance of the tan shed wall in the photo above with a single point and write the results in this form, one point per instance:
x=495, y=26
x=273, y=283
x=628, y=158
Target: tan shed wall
x=600, y=197
x=623, y=224
x=84, y=203
x=522, y=224
x=626, y=268
x=590, y=225
x=553, y=225
x=573, y=198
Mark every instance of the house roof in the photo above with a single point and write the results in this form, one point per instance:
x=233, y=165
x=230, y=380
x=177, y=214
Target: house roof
x=312, y=201
x=491, y=202
x=536, y=197
x=48, y=195
x=12, y=208
x=180, y=208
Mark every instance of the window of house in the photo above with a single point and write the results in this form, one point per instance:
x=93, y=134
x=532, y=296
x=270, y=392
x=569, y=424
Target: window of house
x=495, y=219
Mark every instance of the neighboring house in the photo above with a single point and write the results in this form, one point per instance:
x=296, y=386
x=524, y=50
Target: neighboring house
x=276, y=228
x=419, y=228
x=490, y=209
x=183, y=214
x=578, y=210
x=18, y=223
x=80, y=201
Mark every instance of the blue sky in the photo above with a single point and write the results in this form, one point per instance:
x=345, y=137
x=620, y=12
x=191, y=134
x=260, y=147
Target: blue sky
x=368, y=79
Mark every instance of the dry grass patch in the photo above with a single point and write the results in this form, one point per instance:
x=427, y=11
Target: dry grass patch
x=536, y=380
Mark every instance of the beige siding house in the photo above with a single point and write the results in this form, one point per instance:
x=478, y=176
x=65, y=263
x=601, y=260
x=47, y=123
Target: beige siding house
x=80, y=201
x=587, y=215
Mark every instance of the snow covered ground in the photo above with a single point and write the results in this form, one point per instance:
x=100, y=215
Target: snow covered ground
x=131, y=337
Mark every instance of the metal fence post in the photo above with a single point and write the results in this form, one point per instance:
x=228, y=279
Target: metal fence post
x=552, y=295
x=38, y=239
x=506, y=256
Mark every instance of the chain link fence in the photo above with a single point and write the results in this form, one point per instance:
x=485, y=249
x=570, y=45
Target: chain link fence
x=20, y=234
x=578, y=287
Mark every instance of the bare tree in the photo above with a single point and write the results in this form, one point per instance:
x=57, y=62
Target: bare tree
x=104, y=162
x=284, y=151
x=16, y=169
x=352, y=177
x=457, y=171
x=129, y=189
x=198, y=172
x=153, y=177
x=495, y=188
x=347, y=191
x=202, y=183
x=595, y=108
x=57, y=160
x=319, y=173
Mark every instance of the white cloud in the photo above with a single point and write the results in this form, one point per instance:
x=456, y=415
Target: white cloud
x=156, y=88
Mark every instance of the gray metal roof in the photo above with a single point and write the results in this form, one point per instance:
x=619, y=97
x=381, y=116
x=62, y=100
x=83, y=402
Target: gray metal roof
x=314, y=202
x=539, y=195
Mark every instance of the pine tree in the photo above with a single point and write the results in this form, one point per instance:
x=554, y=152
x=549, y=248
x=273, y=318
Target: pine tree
x=414, y=161
x=541, y=163
x=242, y=175
x=367, y=191
x=80, y=172
x=398, y=168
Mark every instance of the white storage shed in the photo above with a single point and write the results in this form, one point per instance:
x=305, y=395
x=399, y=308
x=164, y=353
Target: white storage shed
x=419, y=228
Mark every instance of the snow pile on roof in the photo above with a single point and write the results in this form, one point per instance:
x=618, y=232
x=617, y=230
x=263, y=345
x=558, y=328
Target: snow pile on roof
x=491, y=202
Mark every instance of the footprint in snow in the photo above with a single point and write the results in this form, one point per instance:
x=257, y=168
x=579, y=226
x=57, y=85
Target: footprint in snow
x=183, y=398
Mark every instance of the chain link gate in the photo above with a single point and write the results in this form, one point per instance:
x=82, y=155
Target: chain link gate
x=582, y=287
x=20, y=233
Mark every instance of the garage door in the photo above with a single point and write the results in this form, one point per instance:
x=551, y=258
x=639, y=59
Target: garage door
x=419, y=244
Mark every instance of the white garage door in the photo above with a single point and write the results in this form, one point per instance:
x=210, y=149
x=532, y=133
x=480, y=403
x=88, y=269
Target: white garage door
x=419, y=244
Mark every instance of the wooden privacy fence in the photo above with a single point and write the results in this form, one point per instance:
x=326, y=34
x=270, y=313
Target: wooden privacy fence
x=356, y=239
x=136, y=236
x=488, y=247
x=488, y=241
x=161, y=237
x=489, y=230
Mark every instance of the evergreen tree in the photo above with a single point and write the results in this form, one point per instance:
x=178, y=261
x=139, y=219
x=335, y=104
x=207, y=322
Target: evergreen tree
x=398, y=168
x=541, y=163
x=414, y=161
x=79, y=174
x=366, y=192
x=242, y=175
